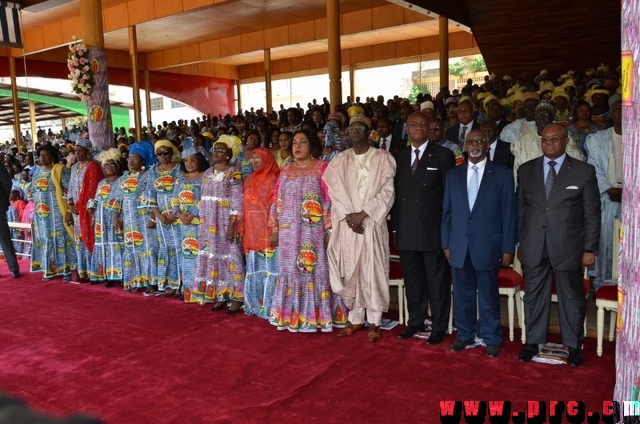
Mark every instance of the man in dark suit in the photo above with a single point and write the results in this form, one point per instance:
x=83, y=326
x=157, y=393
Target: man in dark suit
x=416, y=219
x=388, y=141
x=558, y=230
x=478, y=237
x=5, y=233
x=499, y=151
x=458, y=132
x=495, y=112
x=400, y=129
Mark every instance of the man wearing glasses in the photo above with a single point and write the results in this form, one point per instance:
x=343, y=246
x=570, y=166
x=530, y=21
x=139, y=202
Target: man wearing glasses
x=360, y=182
x=458, y=132
x=478, y=237
x=558, y=230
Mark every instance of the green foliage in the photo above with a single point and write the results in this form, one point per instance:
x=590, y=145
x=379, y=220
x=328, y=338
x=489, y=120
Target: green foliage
x=415, y=90
x=477, y=64
x=457, y=68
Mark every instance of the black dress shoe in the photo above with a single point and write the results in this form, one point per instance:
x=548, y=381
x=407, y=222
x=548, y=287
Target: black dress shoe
x=528, y=352
x=575, y=357
x=493, y=351
x=436, y=337
x=108, y=283
x=15, y=274
x=459, y=345
x=408, y=332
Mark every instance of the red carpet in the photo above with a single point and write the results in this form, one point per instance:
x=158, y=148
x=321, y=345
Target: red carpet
x=133, y=359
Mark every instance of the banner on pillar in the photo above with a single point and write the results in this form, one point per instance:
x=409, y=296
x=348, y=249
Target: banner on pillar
x=10, y=24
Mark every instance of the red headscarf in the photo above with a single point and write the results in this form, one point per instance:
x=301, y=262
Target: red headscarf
x=258, y=197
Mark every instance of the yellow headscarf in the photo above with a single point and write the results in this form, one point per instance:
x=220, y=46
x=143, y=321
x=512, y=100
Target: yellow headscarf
x=165, y=143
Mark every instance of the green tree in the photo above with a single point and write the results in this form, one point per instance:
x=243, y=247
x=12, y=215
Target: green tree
x=477, y=64
x=417, y=89
x=457, y=68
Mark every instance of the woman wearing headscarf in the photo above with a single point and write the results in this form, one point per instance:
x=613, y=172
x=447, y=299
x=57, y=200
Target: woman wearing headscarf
x=220, y=263
x=85, y=176
x=261, y=256
x=135, y=221
x=186, y=210
x=106, y=260
x=163, y=177
x=53, y=250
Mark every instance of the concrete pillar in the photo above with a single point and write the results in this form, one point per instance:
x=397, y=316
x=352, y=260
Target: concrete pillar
x=15, y=100
x=147, y=96
x=335, y=58
x=239, y=94
x=267, y=81
x=34, y=125
x=98, y=105
x=135, y=83
x=444, y=51
x=352, y=82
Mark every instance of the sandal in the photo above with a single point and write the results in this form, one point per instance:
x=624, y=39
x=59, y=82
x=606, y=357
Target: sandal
x=169, y=292
x=218, y=306
x=236, y=305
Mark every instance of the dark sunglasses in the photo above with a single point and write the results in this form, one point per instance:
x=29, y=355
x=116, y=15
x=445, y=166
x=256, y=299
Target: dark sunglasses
x=165, y=153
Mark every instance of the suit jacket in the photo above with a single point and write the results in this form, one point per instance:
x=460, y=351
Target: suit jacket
x=503, y=123
x=489, y=229
x=396, y=131
x=453, y=133
x=5, y=189
x=396, y=145
x=417, y=211
x=569, y=222
x=503, y=154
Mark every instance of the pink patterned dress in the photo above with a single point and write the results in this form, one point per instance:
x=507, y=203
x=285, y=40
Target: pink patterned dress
x=303, y=299
x=219, y=272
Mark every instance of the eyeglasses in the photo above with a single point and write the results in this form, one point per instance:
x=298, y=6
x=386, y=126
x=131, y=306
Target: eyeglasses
x=435, y=128
x=164, y=153
x=474, y=141
x=358, y=128
x=464, y=110
x=218, y=150
x=554, y=139
x=255, y=160
x=110, y=165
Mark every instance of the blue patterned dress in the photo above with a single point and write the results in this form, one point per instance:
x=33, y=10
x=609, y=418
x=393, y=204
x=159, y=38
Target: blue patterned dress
x=161, y=195
x=303, y=299
x=53, y=249
x=187, y=200
x=220, y=263
x=106, y=260
x=140, y=243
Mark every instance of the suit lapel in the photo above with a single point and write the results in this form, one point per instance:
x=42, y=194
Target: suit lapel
x=485, y=183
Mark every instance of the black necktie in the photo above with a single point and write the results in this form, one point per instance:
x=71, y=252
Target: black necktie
x=384, y=144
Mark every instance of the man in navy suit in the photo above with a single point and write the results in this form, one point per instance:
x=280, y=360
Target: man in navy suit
x=478, y=237
x=459, y=131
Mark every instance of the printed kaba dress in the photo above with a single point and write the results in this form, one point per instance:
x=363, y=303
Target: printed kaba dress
x=140, y=242
x=303, y=299
x=161, y=195
x=106, y=260
x=187, y=200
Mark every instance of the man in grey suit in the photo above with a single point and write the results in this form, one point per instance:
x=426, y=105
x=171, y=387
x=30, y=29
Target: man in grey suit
x=558, y=230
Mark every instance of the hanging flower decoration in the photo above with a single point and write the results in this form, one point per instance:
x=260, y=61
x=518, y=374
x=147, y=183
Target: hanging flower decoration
x=81, y=69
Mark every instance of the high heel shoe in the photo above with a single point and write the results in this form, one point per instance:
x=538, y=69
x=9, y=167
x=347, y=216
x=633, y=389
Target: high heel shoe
x=235, y=307
x=218, y=306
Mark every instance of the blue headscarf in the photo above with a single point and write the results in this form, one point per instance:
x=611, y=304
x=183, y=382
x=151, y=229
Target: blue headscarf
x=145, y=150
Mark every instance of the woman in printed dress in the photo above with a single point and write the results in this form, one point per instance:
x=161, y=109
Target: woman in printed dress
x=85, y=176
x=163, y=177
x=300, y=223
x=135, y=221
x=261, y=256
x=53, y=250
x=106, y=260
x=187, y=213
x=220, y=263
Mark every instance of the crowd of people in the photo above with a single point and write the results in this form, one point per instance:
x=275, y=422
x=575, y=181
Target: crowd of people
x=284, y=214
